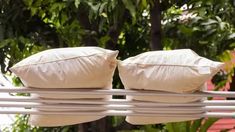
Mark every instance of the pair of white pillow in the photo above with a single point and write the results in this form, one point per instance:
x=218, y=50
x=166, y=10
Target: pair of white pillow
x=92, y=67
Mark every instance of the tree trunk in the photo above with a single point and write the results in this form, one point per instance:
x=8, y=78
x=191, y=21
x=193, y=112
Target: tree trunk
x=82, y=16
x=115, y=30
x=155, y=19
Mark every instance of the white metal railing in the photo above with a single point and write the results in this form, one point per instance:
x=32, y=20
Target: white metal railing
x=110, y=107
x=122, y=107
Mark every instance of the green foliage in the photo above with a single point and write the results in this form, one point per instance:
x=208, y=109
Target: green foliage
x=21, y=125
x=202, y=28
x=131, y=7
x=200, y=125
x=15, y=49
x=178, y=127
x=207, y=124
x=195, y=125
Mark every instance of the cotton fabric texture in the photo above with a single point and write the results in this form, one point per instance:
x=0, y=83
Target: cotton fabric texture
x=135, y=120
x=180, y=71
x=169, y=99
x=81, y=67
x=52, y=120
x=59, y=120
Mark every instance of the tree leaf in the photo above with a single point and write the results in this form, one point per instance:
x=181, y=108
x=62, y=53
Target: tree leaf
x=232, y=45
x=178, y=126
x=94, y=7
x=101, y=8
x=186, y=30
x=218, y=18
x=103, y=40
x=195, y=125
x=209, y=22
x=150, y=128
x=33, y=11
x=28, y=2
x=207, y=124
x=231, y=36
x=144, y=3
x=131, y=7
x=5, y=42
x=169, y=127
x=77, y=3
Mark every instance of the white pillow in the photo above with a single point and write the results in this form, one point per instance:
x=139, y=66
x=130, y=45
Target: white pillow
x=74, y=95
x=177, y=71
x=143, y=120
x=169, y=99
x=60, y=120
x=50, y=120
x=81, y=67
x=137, y=120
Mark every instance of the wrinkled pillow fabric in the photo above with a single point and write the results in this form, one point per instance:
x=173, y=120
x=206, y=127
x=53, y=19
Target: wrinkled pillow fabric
x=81, y=67
x=50, y=120
x=60, y=120
x=144, y=120
x=169, y=99
x=180, y=71
x=136, y=120
x=74, y=95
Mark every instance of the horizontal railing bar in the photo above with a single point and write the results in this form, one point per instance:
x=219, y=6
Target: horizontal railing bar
x=87, y=91
x=119, y=113
x=61, y=107
x=114, y=101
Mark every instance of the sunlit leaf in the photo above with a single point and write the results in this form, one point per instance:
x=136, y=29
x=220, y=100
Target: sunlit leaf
x=207, y=124
x=195, y=125
x=102, y=7
x=209, y=22
x=76, y=3
x=33, y=11
x=144, y=3
x=232, y=36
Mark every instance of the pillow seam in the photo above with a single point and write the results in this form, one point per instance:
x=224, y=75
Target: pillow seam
x=138, y=64
x=57, y=60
